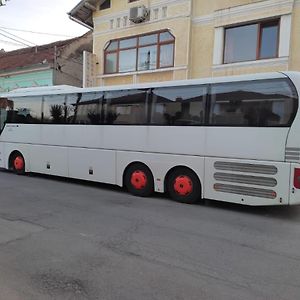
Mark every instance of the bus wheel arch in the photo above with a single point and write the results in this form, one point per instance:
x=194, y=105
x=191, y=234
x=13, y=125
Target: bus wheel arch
x=16, y=162
x=138, y=179
x=183, y=185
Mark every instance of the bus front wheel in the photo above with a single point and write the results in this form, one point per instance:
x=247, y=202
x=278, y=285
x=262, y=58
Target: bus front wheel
x=139, y=180
x=17, y=163
x=184, y=186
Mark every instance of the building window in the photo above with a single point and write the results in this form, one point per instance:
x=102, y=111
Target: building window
x=140, y=53
x=251, y=42
x=105, y=5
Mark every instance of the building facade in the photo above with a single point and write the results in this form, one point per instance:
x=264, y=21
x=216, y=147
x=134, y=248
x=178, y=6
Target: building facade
x=52, y=64
x=136, y=41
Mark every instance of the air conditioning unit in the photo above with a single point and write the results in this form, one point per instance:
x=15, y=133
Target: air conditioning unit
x=138, y=14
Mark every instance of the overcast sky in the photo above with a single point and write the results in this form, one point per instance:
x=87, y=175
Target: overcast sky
x=47, y=16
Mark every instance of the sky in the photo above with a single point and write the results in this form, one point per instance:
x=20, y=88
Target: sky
x=43, y=16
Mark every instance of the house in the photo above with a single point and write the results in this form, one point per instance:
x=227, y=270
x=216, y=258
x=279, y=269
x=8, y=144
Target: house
x=52, y=64
x=137, y=41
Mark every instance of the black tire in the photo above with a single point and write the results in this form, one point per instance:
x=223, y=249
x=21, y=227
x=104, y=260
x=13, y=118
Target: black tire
x=188, y=186
x=17, y=163
x=139, y=180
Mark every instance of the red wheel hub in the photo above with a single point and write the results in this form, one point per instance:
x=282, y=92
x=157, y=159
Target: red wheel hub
x=183, y=185
x=138, y=179
x=19, y=163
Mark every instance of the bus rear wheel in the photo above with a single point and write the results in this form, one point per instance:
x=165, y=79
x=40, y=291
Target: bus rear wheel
x=17, y=163
x=139, y=180
x=184, y=186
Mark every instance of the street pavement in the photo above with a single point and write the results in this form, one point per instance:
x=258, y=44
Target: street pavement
x=68, y=239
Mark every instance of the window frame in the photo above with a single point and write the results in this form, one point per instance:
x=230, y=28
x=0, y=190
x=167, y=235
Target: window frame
x=158, y=43
x=261, y=24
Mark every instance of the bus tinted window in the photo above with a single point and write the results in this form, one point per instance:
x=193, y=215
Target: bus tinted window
x=88, y=110
x=59, y=109
x=178, y=105
x=26, y=110
x=254, y=103
x=126, y=107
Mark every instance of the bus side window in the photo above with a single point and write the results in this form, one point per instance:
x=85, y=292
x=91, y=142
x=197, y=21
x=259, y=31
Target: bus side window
x=58, y=109
x=261, y=103
x=88, y=109
x=127, y=107
x=178, y=106
x=25, y=110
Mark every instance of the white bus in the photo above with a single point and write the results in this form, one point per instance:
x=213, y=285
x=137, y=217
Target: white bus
x=234, y=139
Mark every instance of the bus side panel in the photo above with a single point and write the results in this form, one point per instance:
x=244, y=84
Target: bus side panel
x=51, y=160
x=52, y=134
x=186, y=140
x=247, y=181
x=124, y=137
x=93, y=164
x=263, y=143
x=83, y=136
x=159, y=164
x=22, y=133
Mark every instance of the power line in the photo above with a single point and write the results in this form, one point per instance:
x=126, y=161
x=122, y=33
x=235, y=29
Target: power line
x=15, y=40
x=35, y=32
x=10, y=43
x=18, y=37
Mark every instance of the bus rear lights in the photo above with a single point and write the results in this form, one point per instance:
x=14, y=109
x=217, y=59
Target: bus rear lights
x=297, y=178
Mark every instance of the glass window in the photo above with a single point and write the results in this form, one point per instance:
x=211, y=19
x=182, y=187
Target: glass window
x=127, y=60
x=112, y=46
x=111, y=63
x=269, y=40
x=59, y=109
x=26, y=110
x=147, y=58
x=148, y=39
x=165, y=36
x=166, y=58
x=88, y=109
x=240, y=43
x=128, y=43
x=126, y=107
x=143, y=52
x=178, y=106
x=251, y=42
x=255, y=103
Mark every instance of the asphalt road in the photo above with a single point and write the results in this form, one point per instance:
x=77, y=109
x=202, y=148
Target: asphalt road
x=63, y=239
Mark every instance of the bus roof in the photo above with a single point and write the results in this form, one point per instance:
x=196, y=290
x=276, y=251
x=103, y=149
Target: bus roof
x=66, y=89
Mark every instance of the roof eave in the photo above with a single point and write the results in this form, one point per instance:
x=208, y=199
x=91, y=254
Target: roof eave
x=82, y=13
